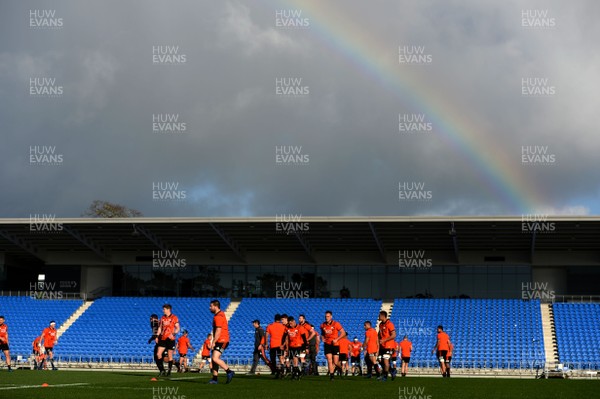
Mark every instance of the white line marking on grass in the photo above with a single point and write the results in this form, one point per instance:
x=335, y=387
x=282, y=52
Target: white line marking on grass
x=40, y=386
x=125, y=388
x=183, y=378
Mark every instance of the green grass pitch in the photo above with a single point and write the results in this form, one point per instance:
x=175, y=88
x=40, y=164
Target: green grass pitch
x=133, y=385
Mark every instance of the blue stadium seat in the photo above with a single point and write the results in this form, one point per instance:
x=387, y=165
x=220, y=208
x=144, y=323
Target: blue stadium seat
x=498, y=333
x=577, y=333
x=118, y=328
x=26, y=317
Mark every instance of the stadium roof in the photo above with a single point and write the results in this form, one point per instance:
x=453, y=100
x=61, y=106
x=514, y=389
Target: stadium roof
x=318, y=240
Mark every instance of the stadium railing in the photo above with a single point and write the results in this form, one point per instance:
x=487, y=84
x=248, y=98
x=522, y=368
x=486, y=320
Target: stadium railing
x=428, y=367
x=577, y=298
x=31, y=294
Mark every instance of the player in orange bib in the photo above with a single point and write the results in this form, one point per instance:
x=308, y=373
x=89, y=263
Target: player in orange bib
x=220, y=342
x=285, y=354
x=332, y=332
x=387, y=336
x=274, y=338
x=371, y=347
x=405, y=350
x=36, y=347
x=296, y=341
x=313, y=345
x=4, y=342
x=167, y=329
x=48, y=341
x=356, y=348
x=206, y=353
x=442, y=345
x=344, y=345
x=449, y=358
x=394, y=360
x=183, y=344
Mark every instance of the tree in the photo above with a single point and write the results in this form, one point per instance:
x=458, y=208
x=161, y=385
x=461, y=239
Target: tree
x=105, y=209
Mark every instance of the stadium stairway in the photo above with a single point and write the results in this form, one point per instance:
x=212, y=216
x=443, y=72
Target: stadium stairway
x=73, y=318
x=550, y=346
x=388, y=306
x=233, y=305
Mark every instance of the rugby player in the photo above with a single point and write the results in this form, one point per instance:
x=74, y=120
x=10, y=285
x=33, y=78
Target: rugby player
x=387, y=336
x=344, y=345
x=371, y=348
x=48, y=341
x=220, y=342
x=206, y=353
x=313, y=345
x=274, y=336
x=441, y=347
x=406, y=348
x=167, y=329
x=4, y=342
x=183, y=344
x=296, y=342
x=356, y=348
x=332, y=332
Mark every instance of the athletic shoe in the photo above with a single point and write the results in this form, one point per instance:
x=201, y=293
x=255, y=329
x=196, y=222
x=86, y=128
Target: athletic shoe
x=230, y=375
x=213, y=382
x=394, y=372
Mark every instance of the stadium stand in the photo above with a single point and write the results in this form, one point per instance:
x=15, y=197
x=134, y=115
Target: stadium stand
x=577, y=334
x=351, y=313
x=116, y=329
x=494, y=333
x=26, y=317
x=486, y=333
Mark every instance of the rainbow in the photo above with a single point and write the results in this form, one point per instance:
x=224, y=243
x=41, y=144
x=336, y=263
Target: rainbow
x=502, y=176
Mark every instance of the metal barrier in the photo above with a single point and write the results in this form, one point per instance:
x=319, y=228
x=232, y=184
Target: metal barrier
x=31, y=294
x=482, y=367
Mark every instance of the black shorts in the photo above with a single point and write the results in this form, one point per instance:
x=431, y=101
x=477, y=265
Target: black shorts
x=331, y=349
x=4, y=347
x=442, y=354
x=205, y=357
x=406, y=360
x=274, y=354
x=35, y=351
x=355, y=359
x=385, y=351
x=168, y=344
x=448, y=359
x=220, y=346
x=49, y=349
x=296, y=352
x=393, y=358
x=183, y=355
x=343, y=357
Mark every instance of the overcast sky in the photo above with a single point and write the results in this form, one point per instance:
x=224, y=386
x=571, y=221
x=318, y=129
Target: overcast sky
x=345, y=123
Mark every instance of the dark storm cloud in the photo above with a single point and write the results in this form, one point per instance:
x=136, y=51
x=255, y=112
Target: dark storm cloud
x=347, y=124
